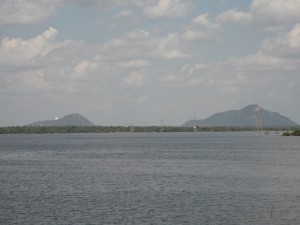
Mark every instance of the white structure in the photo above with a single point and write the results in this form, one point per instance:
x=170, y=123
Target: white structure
x=196, y=128
x=258, y=121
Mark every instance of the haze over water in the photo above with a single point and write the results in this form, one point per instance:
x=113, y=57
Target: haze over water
x=150, y=178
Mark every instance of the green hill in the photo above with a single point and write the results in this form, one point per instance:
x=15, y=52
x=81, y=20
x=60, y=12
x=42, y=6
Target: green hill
x=69, y=120
x=242, y=118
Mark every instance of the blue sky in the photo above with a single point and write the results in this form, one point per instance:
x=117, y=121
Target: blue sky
x=147, y=62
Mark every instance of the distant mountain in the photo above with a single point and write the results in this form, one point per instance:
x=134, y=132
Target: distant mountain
x=242, y=118
x=69, y=120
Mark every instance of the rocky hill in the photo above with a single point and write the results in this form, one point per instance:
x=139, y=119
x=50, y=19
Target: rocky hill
x=69, y=120
x=242, y=118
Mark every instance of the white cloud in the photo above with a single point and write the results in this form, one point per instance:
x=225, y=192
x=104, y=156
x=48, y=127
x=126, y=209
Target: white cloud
x=189, y=75
x=37, y=11
x=134, y=79
x=134, y=44
x=137, y=35
x=191, y=68
x=285, y=44
x=270, y=14
x=263, y=62
x=124, y=13
x=34, y=80
x=202, y=21
x=83, y=68
x=234, y=16
x=108, y=3
x=293, y=38
x=43, y=65
x=27, y=82
x=135, y=63
x=124, y=18
x=233, y=75
x=199, y=35
x=27, y=12
x=168, y=47
x=201, y=29
x=167, y=8
x=275, y=12
x=140, y=43
x=18, y=51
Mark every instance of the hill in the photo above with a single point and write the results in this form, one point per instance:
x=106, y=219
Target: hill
x=69, y=120
x=242, y=118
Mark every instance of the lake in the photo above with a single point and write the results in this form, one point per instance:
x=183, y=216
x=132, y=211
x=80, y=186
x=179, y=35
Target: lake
x=229, y=178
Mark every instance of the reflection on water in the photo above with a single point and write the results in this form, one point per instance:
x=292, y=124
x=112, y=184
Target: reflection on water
x=159, y=178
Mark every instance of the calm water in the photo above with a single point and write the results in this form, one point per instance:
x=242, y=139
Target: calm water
x=172, y=178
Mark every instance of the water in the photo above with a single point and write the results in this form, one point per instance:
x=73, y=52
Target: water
x=151, y=178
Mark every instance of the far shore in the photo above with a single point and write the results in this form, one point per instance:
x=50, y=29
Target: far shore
x=287, y=131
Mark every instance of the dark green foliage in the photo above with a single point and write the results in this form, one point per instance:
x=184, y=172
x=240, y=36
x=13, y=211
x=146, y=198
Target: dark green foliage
x=296, y=133
x=293, y=133
x=88, y=129
x=112, y=129
x=286, y=133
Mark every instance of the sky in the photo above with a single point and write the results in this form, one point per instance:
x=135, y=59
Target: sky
x=147, y=62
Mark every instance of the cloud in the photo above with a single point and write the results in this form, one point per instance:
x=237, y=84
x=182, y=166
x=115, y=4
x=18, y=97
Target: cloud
x=124, y=18
x=263, y=62
x=124, y=13
x=140, y=43
x=197, y=35
x=285, y=44
x=72, y=67
x=202, y=21
x=83, y=68
x=42, y=64
x=275, y=12
x=107, y=3
x=234, y=16
x=37, y=11
x=27, y=12
x=168, y=47
x=238, y=74
x=135, y=63
x=167, y=8
x=270, y=14
x=188, y=76
x=201, y=29
x=191, y=68
x=134, y=79
x=33, y=80
x=18, y=51
x=137, y=35
x=25, y=82
x=133, y=44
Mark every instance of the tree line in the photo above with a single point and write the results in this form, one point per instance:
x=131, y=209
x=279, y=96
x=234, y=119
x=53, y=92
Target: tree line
x=293, y=133
x=121, y=129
